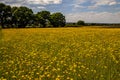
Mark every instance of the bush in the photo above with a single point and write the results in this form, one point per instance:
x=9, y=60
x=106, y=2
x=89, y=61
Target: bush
x=80, y=22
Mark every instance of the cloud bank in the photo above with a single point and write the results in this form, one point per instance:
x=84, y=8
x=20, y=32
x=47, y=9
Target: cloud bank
x=44, y=2
x=94, y=17
x=96, y=3
x=27, y=2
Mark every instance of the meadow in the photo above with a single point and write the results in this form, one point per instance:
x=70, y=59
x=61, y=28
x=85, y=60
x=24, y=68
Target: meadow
x=60, y=54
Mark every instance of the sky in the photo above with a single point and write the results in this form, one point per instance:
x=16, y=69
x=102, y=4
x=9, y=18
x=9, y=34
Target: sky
x=90, y=11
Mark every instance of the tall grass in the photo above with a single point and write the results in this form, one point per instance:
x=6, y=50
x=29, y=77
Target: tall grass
x=60, y=54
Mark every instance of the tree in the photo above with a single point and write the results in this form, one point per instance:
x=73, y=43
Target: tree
x=80, y=22
x=43, y=17
x=22, y=16
x=5, y=14
x=8, y=15
x=2, y=8
x=57, y=19
x=14, y=18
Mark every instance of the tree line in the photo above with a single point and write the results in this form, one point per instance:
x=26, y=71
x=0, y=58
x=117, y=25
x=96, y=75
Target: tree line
x=21, y=17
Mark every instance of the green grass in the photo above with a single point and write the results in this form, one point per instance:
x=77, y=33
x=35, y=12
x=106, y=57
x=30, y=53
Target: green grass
x=60, y=54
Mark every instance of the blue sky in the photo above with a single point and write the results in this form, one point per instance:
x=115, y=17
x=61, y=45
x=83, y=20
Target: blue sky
x=95, y=11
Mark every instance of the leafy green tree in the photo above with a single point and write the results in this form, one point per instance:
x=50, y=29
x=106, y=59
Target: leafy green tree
x=14, y=18
x=40, y=20
x=45, y=14
x=57, y=19
x=5, y=15
x=80, y=22
x=43, y=17
x=22, y=16
x=2, y=8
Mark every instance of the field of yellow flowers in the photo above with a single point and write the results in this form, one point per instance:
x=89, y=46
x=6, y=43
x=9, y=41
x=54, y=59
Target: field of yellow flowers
x=60, y=54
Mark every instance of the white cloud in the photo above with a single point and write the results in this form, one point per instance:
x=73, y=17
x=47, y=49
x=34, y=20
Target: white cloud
x=41, y=7
x=13, y=2
x=44, y=2
x=113, y=3
x=95, y=3
x=41, y=2
x=80, y=1
x=101, y=17
x=98, y=3
x=77, y=6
